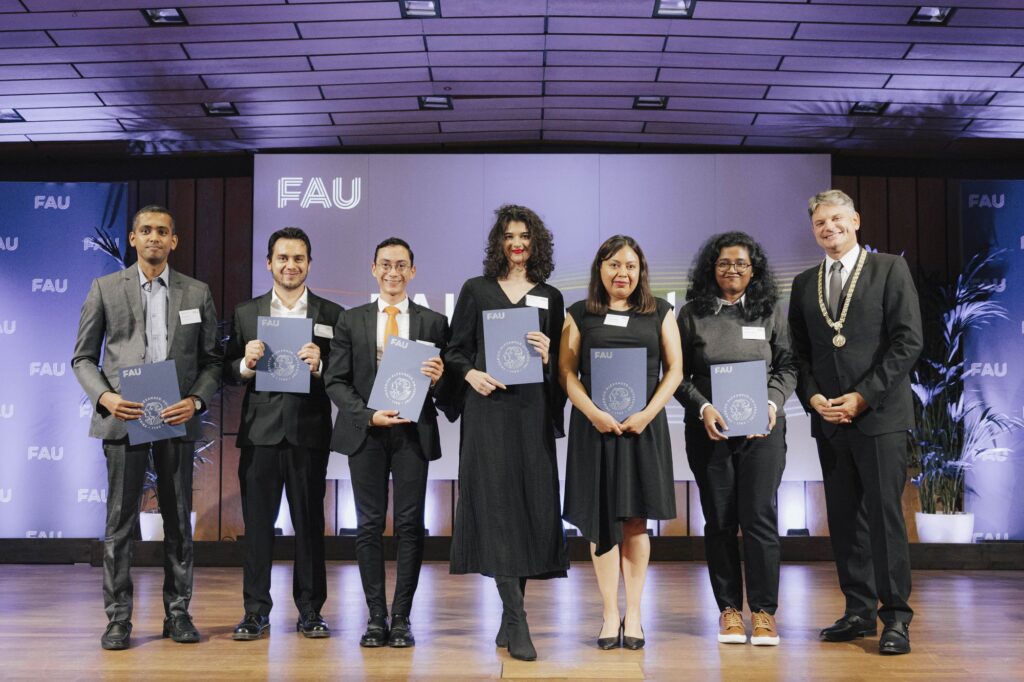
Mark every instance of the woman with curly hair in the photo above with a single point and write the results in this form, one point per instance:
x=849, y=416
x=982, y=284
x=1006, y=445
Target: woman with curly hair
x=733, y=315
x=507, y=521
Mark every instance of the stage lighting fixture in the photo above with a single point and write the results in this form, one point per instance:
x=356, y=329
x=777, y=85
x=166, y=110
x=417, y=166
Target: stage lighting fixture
x=10, y=116
x=868, y=108
x=927, y=15
x=650, y=102
x=674, y=9
x=220, y=109
x=420, y=9
x=435, y=102
x=169, y=16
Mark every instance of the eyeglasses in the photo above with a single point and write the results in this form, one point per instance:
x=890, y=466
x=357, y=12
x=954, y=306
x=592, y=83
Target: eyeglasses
x=401, y=267
x=741, y=266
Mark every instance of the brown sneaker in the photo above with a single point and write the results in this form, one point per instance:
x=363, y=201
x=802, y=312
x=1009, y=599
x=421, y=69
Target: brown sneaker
x=765, y=632
x=730, y=627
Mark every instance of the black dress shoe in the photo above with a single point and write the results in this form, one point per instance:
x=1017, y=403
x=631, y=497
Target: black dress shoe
x=252, y=626
x=848, y=628
x=311, y=625
x=895, y=640
x=632, y=643
x=376, y=631
x=607, y=643
x=179, y=627
x=117, y=635
x=401, y=633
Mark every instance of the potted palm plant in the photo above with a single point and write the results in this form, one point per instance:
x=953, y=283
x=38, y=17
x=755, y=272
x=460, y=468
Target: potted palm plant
x=954, y=427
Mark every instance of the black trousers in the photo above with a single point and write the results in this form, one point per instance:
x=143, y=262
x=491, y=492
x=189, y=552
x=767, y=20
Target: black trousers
x=126, y=470
x=395, y=451
x=738, y=481
x=262, y=472
x=864, y=478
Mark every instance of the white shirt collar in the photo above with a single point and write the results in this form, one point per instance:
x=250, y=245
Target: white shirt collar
x=302, y=302
x=403, y=305
x=849, y=260
x=163, y=276
x=722, y=303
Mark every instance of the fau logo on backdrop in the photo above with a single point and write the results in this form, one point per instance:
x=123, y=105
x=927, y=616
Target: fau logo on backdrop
x=60, y=203
x=7, y=327
x=53, y=453
x=92, y=495
x=47, y=285
x=986, y=200
x=47, y=369
x=986, y=369
x=6, y=494
x=89, y=244
x=44, y=533
x=314, y=192
x=7, y=411
x=8, y=243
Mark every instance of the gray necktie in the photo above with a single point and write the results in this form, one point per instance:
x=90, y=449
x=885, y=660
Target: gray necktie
x=835, y=287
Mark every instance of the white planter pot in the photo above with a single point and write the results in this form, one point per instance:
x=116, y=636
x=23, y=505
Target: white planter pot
x=151, y=525
x=946, y=528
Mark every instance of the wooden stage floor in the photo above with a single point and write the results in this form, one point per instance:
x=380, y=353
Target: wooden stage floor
x=968, y=627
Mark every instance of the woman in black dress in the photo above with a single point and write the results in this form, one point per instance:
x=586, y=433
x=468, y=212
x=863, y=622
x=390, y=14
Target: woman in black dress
x=619, y=474
x=507, y=522
x=733, y=314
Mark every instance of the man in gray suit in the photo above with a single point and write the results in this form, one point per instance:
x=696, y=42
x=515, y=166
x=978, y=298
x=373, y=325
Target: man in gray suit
x=148, y=313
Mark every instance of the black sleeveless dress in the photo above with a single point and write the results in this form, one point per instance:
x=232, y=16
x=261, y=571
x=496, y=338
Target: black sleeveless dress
x=610, y=478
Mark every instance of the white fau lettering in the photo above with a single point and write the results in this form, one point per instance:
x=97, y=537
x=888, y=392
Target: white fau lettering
x=723, y=370
x=6, y=494
x=41, y=452
x=92, y=495
x=44, y=201
x=8, y=243
x=991, y=536
x=44, y=533
x=494, y=316
x=986, y=200
x=132, y=372
x=604, y=355
x=291, y=189
x=8, y=326
x=987, y=369
x=7, y=410
x=56, y=286
x=47, y=369
x=268, y=322
x=89, y=244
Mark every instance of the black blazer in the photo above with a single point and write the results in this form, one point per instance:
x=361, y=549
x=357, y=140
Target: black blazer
x=269, y=417
x=883, y=340
x=353, y=368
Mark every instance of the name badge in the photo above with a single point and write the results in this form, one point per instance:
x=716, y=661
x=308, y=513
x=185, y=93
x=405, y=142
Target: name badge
x=536, y=301
x=190, y=316
x=324, y=331
x=616, y=320
x=756, y=333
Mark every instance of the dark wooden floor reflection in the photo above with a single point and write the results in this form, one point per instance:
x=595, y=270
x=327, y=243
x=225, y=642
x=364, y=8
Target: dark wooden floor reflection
x=968, y=627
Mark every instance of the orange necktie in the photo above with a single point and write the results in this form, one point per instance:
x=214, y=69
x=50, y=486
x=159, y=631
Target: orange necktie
x=391, y=326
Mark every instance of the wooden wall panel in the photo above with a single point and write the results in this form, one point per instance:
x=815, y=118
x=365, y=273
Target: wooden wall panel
x=209, y=239
x=903, y=225
x=932, y=230
x=873, y=207
x=237, y=265
x=181, y=200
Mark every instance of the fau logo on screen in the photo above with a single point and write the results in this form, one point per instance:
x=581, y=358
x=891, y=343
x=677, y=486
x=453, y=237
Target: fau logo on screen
x=314, y=192
x=8, y=243
x=60, y=203
x=55, y=286
x=986, y=200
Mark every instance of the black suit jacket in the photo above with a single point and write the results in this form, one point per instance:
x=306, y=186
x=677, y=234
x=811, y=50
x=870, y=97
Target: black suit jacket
x=269, y=417
x=354, y=367
x=883, y=340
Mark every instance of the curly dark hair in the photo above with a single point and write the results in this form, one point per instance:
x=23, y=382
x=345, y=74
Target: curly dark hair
x=762, y=293
x=542, y=244
x=598, y=299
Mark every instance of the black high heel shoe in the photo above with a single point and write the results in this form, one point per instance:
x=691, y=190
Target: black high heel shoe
x=632, y=643
x=615, y=642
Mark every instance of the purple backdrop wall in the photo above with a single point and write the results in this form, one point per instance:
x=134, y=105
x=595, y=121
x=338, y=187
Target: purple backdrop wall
x=443, y=206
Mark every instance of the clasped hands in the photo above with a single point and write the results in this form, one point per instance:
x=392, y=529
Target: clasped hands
x=841, y=410
x=432, y=368
x=634, y=423
x=127, y=410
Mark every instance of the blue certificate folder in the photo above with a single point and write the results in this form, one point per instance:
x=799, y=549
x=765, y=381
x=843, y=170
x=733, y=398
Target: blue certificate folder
x=155, y=385
x=280, y=369
x=618, y=380
x=400, y=383
x=510, y=358
x=739, y=390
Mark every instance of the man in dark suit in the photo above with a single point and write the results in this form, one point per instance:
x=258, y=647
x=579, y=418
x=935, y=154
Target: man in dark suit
x=142, y=314
x=381, y=442
x=285, y=439
x=856, y=327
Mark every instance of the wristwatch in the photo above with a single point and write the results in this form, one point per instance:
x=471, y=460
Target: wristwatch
x=198, y=404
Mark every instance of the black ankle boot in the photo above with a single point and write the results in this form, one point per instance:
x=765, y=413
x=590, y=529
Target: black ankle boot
x=519, y=644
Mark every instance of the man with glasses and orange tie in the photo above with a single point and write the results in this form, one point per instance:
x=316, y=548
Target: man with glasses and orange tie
x=380, y=443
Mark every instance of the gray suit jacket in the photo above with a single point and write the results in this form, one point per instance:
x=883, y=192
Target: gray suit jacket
x=112, y=322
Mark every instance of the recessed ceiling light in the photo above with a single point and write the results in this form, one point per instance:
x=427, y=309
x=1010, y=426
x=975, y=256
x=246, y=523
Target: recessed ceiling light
x=10, y=116
x=674, y=9
x=645, y=102
x=868, y=108
x=435, y=102
x=928, y=15
x=168, y=16
x=220, y=109
x=420, y=9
